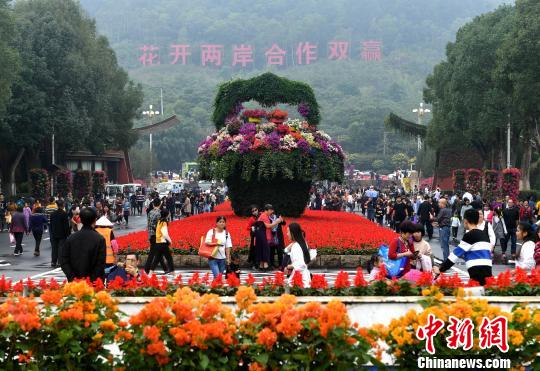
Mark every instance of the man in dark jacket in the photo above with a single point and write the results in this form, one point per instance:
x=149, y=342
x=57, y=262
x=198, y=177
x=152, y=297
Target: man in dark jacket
x=59, y=231
x=84, y=252
x=425, y=212
x=511, y=220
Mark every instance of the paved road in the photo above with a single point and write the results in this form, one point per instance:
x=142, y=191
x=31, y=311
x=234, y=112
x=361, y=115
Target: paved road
x=27, y=265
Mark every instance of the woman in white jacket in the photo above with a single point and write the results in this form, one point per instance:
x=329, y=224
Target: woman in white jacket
x=300, y=254
x=525, y=254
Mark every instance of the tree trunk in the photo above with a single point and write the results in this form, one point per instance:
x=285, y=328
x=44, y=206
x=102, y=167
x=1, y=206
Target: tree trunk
x=436, y=172
x=524, y=182
x=12, y=191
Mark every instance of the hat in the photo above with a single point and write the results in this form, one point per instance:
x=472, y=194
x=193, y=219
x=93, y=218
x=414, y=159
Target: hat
x=104, y=222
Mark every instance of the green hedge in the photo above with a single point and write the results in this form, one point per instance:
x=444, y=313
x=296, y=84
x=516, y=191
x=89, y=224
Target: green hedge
x=267, y=89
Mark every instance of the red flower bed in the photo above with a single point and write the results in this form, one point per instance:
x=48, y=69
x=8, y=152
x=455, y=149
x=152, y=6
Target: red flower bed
x=324, y=229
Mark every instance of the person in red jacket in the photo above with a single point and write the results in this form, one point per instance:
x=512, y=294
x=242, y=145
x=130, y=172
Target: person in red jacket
x=403, y=246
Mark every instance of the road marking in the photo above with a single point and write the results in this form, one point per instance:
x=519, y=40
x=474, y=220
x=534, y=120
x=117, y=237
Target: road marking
x=45, y=239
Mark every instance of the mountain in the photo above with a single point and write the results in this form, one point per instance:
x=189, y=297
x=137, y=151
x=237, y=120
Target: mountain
x=391, y=46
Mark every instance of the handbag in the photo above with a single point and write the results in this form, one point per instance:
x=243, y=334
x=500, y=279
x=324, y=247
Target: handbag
x=210, y=252
x=11, y=238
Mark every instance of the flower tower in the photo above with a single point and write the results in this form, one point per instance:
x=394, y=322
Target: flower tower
x=263, y=156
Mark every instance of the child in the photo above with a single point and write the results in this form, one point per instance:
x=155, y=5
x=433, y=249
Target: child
x=455, y=226
x=234, y=266
x=373, y=266
x=126, y=209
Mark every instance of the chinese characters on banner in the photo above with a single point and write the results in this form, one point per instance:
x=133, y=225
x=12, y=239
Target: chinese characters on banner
x=491, y=333
x=243, y=55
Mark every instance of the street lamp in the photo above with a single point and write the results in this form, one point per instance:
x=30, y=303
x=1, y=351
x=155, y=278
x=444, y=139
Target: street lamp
x=420, y=111
x=150, y=114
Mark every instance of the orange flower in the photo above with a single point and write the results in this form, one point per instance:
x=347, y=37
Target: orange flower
x=90, y=317
x=334, y=315
x=245, y=296
x=267, y=338
x=51, y=297
x=152, y=312
x=78, y=289
x=152, y=333
x=181, y=337
x=73, y=313
x=156, y=348
x=123, y=335
x=290, y=323
x=107, y=325
x=256, y=367
x=106, y=299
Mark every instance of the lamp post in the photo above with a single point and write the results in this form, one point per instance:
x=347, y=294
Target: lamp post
x=508, y=143
x=420, y=111
x=150, y=114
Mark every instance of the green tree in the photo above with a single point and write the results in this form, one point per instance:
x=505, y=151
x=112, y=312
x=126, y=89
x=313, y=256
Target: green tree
x=518, y=75
x=70, y=84
x=400, y=161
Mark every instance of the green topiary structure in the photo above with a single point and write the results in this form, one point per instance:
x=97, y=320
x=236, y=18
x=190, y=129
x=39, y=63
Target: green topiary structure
x=263, y=156
x=267, y=89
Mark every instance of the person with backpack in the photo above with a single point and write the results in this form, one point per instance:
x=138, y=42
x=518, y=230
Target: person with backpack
x=299, y=253
x=220, y=237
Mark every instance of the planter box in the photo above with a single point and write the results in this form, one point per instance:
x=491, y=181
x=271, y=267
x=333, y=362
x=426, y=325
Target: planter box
x=321, y=261
x=365, y=310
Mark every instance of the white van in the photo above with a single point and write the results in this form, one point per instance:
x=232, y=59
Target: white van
x=111, y=190
x=131, y=188
x=171, y=186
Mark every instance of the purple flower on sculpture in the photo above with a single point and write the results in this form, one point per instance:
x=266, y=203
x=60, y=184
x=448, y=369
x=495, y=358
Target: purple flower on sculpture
x=324, y=146
x=248, y=128
x=273, y=140
x=303, y=145
x=244, y=147
x=303, y=109
x=223, y=146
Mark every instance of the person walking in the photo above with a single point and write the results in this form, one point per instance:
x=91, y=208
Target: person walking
x=153, y=218
x=511, y=220
x=455, y=223
x=163, y=241
x=59, y=232
x=299, y=253
x=220, y=237
x=38, y=223
x=425, y=214
x=18, y=227
x=84, y=253
x=443, y=222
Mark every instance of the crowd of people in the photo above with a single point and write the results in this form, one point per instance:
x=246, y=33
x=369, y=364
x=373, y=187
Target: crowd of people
x=413, y=215
x=499, y=223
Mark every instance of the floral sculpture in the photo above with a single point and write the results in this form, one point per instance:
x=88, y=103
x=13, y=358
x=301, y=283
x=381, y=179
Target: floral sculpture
x=265, y=157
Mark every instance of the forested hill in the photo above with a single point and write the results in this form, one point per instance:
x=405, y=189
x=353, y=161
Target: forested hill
x=355, y=85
